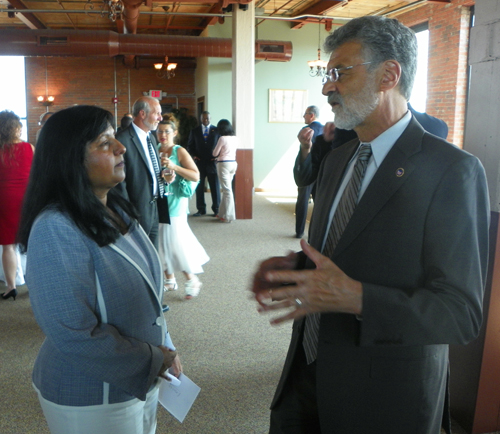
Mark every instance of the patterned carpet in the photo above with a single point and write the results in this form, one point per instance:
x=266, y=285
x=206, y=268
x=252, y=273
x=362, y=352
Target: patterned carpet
x=226, y=347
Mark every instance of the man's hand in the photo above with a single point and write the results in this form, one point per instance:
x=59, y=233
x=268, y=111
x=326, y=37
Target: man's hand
x=305, y=137
x=324, y=289
x=263, y=288
x=328, y=131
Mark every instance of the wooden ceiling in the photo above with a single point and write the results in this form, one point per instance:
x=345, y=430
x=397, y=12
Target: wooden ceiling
x=189, y=17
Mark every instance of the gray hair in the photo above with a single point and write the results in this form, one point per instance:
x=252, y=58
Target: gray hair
x=382, y=39
x=143, y=103
x=314, y=110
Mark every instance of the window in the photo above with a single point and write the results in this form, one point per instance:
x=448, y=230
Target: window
x=418, y=98
x=13, y=89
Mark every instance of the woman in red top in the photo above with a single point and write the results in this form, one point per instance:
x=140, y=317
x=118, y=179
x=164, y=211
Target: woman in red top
x=15, y=164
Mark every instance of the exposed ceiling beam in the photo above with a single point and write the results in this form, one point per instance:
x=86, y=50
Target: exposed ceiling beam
x=319, y=8
x=27, y=18
x=210, y=21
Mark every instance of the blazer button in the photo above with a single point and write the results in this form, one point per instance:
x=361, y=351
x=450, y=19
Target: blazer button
x=159, y=321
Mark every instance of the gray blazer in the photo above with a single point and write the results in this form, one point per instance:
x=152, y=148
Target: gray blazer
x=418, y=242
x=101, y=345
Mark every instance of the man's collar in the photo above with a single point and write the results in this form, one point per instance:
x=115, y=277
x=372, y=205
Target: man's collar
x=139, y=131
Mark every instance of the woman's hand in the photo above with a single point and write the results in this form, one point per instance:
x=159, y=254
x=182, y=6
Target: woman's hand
x=176, y=367
x=169, y=164
x=168, y=176
x=169, y=357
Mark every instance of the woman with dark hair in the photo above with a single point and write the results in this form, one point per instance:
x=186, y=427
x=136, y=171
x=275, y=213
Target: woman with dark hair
x=95, y=284
x=225, y=151
x=180, y=250
x=15, y=165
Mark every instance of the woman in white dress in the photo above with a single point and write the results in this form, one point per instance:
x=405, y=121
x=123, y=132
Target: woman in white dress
x=225, y=151
x=179, y=248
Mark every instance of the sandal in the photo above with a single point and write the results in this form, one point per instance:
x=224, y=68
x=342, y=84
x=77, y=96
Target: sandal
x=170, y=285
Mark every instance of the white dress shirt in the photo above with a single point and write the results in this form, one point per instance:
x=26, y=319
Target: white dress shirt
x=381, y=146
x=143, y=137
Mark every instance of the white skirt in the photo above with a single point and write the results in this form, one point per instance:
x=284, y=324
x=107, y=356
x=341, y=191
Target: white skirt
x=180, y=250
x=130, y=417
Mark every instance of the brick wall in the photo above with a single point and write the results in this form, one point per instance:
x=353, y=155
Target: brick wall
x=78, y=80
x=447, y=73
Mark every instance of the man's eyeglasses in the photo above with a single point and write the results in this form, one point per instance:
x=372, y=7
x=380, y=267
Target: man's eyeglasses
x=333, y=74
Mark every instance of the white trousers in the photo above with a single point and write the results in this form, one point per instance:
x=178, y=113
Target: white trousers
x=226, y=171
x=131, y=417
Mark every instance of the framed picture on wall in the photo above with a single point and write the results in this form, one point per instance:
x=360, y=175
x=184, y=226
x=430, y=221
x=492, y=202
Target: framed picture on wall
x=287, y=105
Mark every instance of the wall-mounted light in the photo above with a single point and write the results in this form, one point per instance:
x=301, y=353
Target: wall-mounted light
x=45, y=100
x=165, y=70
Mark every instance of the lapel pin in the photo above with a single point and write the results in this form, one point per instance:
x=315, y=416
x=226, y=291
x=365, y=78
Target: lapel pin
x=400, y=172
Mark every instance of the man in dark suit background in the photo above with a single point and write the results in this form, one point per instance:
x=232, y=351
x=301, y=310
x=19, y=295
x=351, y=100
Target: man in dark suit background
x=401, y=217
x=201, y=143
x=141, y=185
x=311, y=155
x=304, y=191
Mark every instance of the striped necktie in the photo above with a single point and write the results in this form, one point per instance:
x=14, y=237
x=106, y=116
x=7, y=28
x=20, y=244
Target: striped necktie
x=156, y=167
x=343, y=213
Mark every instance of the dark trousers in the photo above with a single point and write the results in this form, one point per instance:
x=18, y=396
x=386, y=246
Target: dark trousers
x=153, y=230
x=296, y=411
x=213, y=182
x=301, y=206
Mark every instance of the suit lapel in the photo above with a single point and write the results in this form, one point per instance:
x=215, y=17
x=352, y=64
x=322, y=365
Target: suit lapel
x=151, y=271
x=134, y=138
x=390, y=176
x=329, y=179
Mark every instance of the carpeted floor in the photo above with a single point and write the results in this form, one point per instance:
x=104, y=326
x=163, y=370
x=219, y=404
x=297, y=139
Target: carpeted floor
x=226, y=347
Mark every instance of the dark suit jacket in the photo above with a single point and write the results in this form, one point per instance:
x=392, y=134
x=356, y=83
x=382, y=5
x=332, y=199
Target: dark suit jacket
x=298, y=167
x=305, y=172
x=203, y=151
x=138, y=184
x=418, y=242
x=431, y=124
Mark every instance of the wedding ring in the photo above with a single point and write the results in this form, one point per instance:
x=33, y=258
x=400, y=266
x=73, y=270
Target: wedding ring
x=298, y=302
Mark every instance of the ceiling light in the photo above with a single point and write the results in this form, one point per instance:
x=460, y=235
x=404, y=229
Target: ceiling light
x=317, y=68
x=165, y=70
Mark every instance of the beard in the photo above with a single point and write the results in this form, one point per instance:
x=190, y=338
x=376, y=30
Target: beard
x=353, y=109
x=151, y=125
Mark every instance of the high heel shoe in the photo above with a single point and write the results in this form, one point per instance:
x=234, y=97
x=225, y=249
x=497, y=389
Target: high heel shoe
x=12, y=293
x=170, y=285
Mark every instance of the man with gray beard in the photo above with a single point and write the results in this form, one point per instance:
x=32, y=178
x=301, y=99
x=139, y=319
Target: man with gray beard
x=397, y=260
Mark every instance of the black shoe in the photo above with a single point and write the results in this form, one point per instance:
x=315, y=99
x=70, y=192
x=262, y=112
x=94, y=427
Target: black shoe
x=165, y=307
x=299, y=235
x=199, y=214
x=12, y=293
